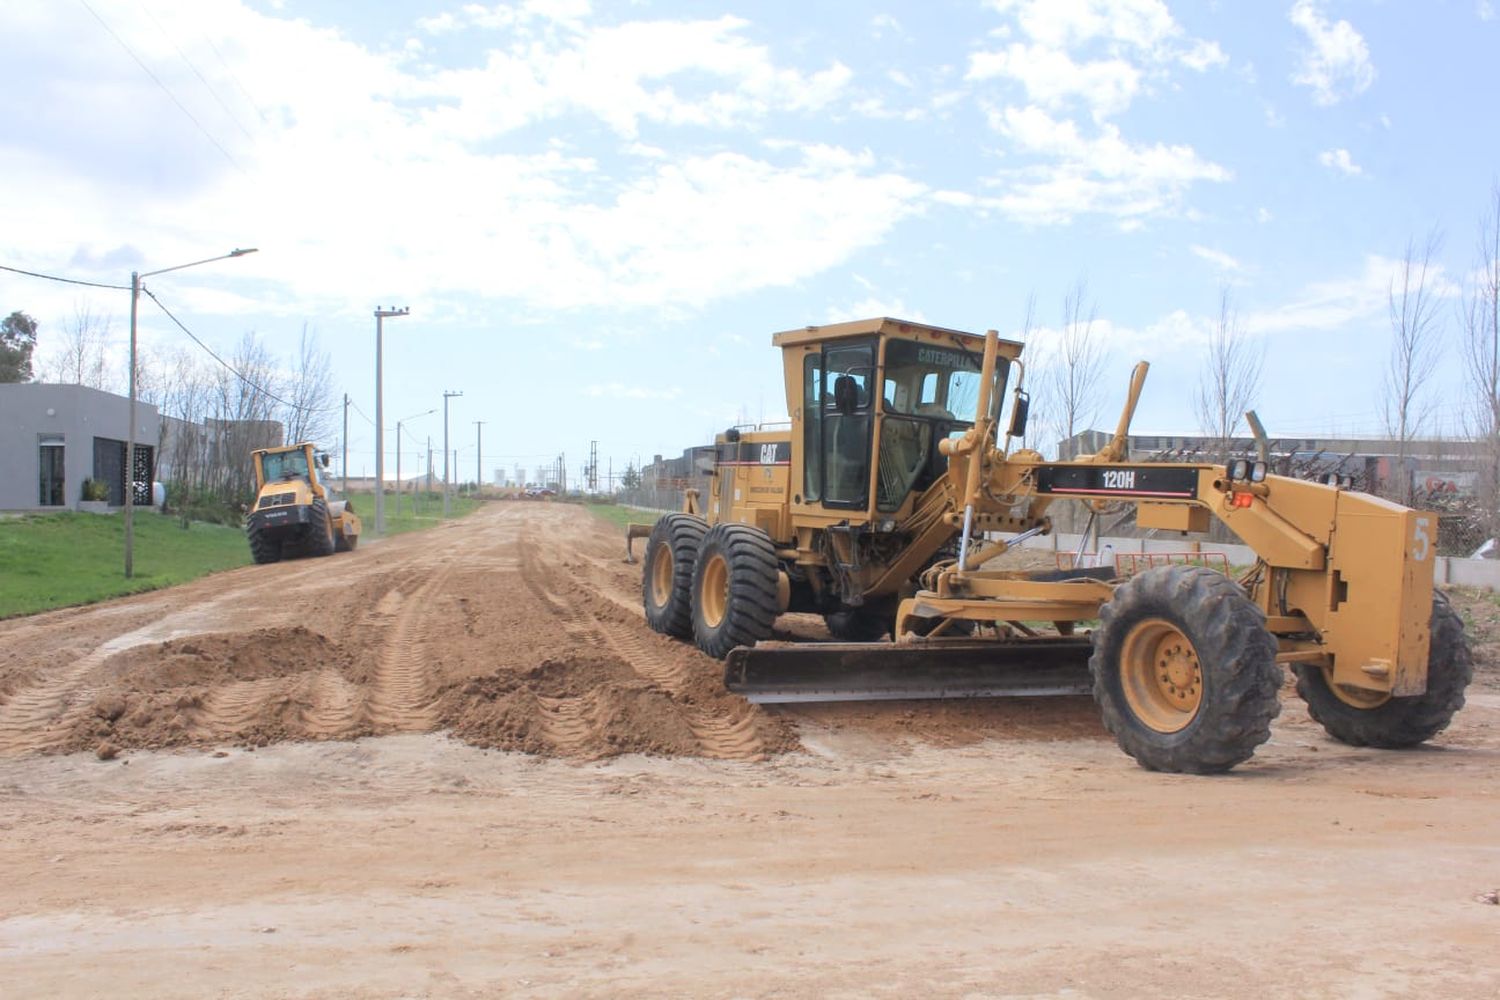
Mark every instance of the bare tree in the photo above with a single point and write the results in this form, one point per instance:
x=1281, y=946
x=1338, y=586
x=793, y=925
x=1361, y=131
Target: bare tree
x=308, y=407
x=1481, y=348
x=1416, y=337
x=1075, y=366
x=1230, y=378
x=81, y=359
x=1036, y=382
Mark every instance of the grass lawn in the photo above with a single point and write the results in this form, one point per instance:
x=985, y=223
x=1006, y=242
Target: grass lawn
x=56, y=560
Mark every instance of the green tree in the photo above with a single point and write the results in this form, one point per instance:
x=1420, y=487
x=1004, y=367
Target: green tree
x=17, y=341
x=630, y=479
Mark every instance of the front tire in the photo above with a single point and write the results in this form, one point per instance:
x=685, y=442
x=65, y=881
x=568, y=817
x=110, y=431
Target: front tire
x=734, y=589
x=1185, y=672
x=667, y=576
x=1398, y=723
x=264, y=549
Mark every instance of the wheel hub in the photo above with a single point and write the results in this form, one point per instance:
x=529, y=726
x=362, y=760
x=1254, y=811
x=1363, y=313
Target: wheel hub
x=1161, y=676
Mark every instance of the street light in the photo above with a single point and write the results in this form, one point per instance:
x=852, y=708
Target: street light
x=135, y=299
x=446, y=396
x=380, y=316
x=399, y=484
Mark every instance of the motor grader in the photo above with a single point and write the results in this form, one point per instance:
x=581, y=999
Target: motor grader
x=893, y=488
x=294, y=512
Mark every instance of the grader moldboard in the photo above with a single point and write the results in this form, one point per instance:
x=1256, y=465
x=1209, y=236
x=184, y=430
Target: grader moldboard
x=294, y=512
x=879, y=505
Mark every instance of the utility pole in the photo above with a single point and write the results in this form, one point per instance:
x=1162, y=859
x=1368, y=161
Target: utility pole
x=135, y=298
x=429, y=464
x=446, y=396
x=346, y=446
x=478, y=454
x=380, y=316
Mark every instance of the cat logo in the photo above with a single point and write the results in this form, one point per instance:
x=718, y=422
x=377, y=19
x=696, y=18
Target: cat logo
x=768, y=454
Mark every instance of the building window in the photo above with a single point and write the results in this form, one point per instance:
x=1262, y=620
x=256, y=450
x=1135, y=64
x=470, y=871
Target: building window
x=51, y=494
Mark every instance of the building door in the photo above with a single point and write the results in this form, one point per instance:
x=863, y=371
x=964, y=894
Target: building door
x=109, y=467
x=51, y=463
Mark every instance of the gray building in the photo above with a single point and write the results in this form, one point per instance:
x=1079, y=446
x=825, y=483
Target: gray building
x=54, y=437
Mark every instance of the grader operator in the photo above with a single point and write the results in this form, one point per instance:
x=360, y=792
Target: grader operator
x=893, y=487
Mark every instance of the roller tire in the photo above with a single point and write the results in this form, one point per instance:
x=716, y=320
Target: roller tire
x=1230, y=653
x=1399, y=723
x=734, y=589
x=320, y=540
x=667, y=589
x=263, y=549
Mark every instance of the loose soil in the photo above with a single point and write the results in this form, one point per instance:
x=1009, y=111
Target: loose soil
x=458, y=763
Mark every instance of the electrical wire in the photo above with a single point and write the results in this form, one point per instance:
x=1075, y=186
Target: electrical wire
x=362, y=413
x=70, y=281
x=165, y=89
x=201, y=78
x=230, y=368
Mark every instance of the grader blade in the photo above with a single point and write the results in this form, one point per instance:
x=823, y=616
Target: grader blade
x=783, y=672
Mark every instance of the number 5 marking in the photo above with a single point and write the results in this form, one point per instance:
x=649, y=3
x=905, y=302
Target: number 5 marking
x=1422, y=544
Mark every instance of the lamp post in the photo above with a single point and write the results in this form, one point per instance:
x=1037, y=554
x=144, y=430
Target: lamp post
x=135, y=299
x=380, y=316
x=446, y=396
x=400, y=485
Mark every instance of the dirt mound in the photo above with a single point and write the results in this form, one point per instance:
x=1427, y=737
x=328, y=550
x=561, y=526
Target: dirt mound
x=578, y=706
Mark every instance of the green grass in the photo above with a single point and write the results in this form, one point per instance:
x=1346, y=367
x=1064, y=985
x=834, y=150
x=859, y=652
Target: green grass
x=413, y=513
x=58, y=560
x=621, y=516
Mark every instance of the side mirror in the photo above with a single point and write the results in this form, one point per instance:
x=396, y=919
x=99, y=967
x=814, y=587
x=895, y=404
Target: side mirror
x=1019, y=410
x=323, y=459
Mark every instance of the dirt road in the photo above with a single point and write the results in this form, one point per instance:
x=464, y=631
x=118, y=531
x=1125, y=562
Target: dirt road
x=560, y=802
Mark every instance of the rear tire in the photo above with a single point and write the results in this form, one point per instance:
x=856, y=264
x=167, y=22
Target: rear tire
x=1185, y=672
x=667, y=576
x=1398, y=723
x=734, y=589
x=262, y=548
x=320, y=540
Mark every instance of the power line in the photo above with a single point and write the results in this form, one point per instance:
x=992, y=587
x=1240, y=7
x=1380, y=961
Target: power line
x=70, y=281
x=165, y=89
x=201, y=78
x=362, y=413
x=230, y=368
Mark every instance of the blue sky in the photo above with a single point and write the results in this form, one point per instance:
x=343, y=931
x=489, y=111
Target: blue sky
x=598, y=213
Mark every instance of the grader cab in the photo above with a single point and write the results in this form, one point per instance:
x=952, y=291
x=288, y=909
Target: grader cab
x=894, y=486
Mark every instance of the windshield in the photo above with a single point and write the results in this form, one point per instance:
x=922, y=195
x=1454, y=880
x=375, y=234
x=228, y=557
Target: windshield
x=284, y=465
x=930, y=392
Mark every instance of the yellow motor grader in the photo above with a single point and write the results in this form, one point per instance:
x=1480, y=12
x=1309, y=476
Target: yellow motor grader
x=892, y=489
x=294, y=512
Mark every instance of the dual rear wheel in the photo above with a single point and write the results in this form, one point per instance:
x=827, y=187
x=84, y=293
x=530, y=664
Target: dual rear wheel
x=717, y=586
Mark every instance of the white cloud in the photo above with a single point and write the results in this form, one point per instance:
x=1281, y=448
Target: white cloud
x=1330, y=305
x=872, y=307
x=1053, y=79
x=1337, y=65
x=1484, y=10
x=1218, y=258
x=368, y=174
x=618, y=390
x=1102, y=174
x=1340, y=160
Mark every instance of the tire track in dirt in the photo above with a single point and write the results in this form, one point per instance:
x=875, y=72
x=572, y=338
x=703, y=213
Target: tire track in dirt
x=401, y=696
x=718, y=737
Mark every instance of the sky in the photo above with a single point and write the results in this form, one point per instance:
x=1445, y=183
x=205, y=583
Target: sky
x=598, y=213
